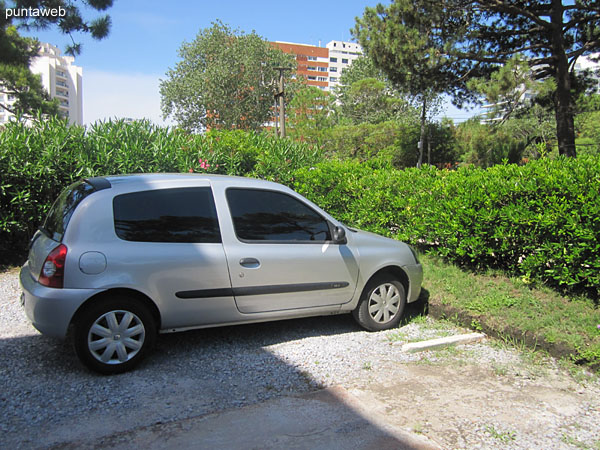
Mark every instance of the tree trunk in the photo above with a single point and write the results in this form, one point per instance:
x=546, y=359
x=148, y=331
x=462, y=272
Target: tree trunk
x=565, y=127
x=429, y=144
x=422, y=139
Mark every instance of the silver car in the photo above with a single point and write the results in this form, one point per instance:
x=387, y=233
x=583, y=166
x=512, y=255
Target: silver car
x=122, y=258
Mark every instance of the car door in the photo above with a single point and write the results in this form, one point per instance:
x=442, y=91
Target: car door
x=281, y=255
x=169, y=245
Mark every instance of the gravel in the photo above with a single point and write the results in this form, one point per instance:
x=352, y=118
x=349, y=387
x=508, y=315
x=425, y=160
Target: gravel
x=48, y=398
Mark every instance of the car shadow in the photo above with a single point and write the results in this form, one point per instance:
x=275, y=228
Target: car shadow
x=189, y=374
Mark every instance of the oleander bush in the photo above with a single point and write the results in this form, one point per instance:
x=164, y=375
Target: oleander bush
x=37, y=162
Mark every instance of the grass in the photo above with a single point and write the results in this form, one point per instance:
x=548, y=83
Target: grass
x=512, y=310
x=505, y=436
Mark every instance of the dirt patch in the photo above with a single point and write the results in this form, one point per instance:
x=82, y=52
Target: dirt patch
x=477, y=397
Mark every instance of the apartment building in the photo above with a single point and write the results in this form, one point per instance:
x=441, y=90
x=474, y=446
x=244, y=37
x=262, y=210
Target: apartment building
x=61, y=78
x=341, y=55
x=313, y=62
x=322, y=66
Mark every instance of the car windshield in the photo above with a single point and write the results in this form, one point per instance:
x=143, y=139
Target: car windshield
x=63, y=208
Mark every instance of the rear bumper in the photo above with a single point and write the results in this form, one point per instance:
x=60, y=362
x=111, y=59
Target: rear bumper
x=50, y=310
x=415, y=279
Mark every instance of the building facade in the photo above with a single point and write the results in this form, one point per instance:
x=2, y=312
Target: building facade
x=322, y=66
x=61, y=78
x=341, y=55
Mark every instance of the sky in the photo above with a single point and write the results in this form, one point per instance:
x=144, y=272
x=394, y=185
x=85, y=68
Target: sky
x=121, y=73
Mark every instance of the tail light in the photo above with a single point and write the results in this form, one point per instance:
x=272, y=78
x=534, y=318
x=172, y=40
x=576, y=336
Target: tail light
x=53, y=270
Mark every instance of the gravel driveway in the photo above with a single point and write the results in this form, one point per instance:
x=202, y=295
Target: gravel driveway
x=478, y=396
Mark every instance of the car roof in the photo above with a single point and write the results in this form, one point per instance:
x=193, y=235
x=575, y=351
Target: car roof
x=145, y=179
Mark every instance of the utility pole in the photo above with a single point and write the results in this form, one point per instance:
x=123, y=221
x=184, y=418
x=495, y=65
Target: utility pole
x=279, y=95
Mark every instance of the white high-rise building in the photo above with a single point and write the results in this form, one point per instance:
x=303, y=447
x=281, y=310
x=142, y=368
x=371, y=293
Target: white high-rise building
x=341, y=55
x=61, y=78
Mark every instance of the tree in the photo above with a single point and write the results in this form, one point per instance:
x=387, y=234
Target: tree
x=552, y=33
x=225, y=79
x=17, y=52
x=311, y=113
x=405, y=42
x=482, y=35
x=366, y=95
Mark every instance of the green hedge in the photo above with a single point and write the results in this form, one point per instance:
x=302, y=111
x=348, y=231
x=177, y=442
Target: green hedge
x=540, y=221
x=37, y=162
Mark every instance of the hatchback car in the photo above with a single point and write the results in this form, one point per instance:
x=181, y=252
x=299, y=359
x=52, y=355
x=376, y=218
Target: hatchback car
x=122, y=258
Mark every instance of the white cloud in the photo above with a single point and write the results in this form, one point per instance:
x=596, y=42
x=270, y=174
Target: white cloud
x=109, y=95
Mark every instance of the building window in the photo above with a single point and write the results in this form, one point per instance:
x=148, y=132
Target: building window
x=333, y=69
x=322, y=69
x=322, y=78
x=332, y=59
x=344, y=60
x=333, y=79
x=312, y=78
x=312, y=68
x=312, y=58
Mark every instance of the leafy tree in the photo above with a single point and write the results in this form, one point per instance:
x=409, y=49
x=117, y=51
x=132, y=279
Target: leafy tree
x=225, y=79
x=475, y=37
x=485, y=146
x=17, y=52
x=369, y=100
x=310, y=113
x=404, y=41
x=366, y=95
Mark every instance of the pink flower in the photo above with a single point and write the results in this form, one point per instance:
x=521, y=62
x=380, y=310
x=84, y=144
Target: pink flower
x=191, y=170
x=204, y=164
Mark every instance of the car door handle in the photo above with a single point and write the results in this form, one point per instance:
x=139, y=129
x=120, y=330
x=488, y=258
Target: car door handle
x=250, y=263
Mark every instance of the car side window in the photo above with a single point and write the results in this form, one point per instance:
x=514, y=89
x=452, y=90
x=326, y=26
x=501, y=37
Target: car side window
x=167, y=215
x=261, y=215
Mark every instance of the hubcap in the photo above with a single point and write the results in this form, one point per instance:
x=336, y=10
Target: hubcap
x=116, y=337
x=384, y=303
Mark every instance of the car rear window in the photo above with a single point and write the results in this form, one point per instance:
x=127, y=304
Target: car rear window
x=167, y=215
x=63, y=208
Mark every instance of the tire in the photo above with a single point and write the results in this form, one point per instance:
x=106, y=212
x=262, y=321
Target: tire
x=381, y=304
x=114, y=335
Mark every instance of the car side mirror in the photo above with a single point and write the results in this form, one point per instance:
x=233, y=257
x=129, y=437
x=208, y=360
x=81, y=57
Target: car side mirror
x=339, y=235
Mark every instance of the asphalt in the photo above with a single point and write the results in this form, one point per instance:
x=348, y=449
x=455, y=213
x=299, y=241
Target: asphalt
x=327, y=419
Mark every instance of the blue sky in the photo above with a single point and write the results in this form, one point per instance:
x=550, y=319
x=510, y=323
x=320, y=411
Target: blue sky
x=121, y=73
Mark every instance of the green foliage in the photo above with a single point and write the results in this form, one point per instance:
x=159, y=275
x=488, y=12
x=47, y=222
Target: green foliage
x=37, y=162
x=310, y=113
x=485, y=146
x=539, y=221
x=393, y=141
x=225, y=79
x=368, y=100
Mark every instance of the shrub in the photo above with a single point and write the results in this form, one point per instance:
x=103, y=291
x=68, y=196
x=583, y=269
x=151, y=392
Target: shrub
x=37, y=162
x=540, y=221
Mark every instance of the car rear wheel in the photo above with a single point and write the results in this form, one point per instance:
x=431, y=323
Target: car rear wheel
x=114, y=335
x=381, y=305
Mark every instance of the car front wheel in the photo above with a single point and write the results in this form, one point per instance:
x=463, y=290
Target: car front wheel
x=381, y=304
x=113, y=336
